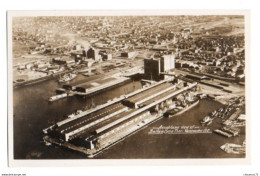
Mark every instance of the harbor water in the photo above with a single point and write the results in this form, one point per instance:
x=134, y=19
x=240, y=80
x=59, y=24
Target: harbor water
x=33, y=113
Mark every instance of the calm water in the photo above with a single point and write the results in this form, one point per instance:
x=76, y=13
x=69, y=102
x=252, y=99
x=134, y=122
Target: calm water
x=32, y=113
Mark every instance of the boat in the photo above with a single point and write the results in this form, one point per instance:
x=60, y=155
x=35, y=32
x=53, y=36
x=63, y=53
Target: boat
x=234, y=148
x=209, y=118
x=180, y=110
x=220, y=110
x=67, y=77
x=57, y=97
x=75, y=113
x=203, y=96
x=223, y=133
x=220, y=113
x=233, y=131
x=206, y=121
x=46, y=142
x=213, y=114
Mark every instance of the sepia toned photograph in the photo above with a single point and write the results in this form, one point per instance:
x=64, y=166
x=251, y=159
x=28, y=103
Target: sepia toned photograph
x=135, y=85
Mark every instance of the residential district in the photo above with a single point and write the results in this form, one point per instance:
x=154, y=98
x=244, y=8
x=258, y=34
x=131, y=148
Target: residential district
x=178, y=59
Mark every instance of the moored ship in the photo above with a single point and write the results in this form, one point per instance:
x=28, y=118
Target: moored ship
x=209, y=118
x=234, y=148
x=182, y=105
x=180, y=110
x=67, y=77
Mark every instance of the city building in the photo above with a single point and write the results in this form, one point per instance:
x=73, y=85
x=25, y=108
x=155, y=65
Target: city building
x=167, y=63
x=128, y=54
x=78, y=54
x=63, y=61
x=93, y=54
x=105, y=56
x=152, y=69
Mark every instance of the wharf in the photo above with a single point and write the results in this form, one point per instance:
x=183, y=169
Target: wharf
x=117, y=112
x=102, y=87
x=84, y=113
x=122, y=134
x=104, y=126
x=41, y=79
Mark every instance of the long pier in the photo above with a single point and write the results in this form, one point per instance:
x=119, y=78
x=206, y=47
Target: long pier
x=84, y=113
x=106, y=124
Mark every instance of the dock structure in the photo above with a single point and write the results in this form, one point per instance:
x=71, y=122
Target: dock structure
x=122, y=97
x=103, y=126
x=87, y=89
x=92, y=86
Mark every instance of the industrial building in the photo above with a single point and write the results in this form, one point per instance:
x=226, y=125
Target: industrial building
x=86, y=85
x=152, y=69
x=93, y=54
x=105, y=56
x=87, y=88
x=167, y=63
x=156, y=66
x=78, y=54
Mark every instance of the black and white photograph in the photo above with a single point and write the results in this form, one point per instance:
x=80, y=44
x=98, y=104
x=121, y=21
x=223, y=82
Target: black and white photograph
x=110, y=85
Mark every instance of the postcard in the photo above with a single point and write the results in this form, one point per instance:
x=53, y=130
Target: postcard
x=128, y=87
